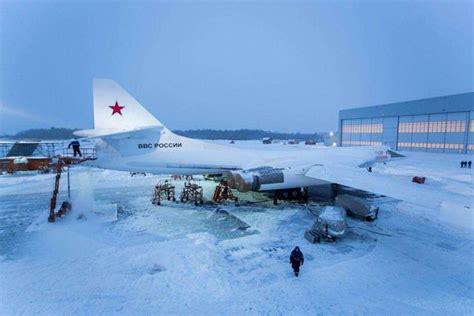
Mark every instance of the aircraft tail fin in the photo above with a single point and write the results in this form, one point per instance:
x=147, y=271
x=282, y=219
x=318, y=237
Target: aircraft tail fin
x=115, y=108
x=116, y=111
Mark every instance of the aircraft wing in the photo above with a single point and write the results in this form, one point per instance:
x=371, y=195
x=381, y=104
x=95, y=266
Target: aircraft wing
x=399, y=187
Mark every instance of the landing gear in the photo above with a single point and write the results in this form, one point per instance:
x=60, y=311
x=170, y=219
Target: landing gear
x=298, y=194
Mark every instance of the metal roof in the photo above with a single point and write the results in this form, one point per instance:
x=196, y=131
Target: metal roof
x=463, y=102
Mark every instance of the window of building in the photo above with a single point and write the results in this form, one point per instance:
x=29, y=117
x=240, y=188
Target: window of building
x=455, y=126
x=430, y=145
x=361, y=143
x=437, y=127
x=363, y=128
x=432, y=127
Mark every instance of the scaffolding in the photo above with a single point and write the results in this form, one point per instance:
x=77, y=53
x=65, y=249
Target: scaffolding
x=52, y=206
x=66, y=162
x=4, y=149
x=164, y=190
x=192, y=192
x=87, y=153
x=48, y=149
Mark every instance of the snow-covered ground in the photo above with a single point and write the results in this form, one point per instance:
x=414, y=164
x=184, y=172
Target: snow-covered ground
x=180, y=259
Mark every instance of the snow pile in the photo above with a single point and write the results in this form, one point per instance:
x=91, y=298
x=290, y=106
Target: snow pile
x=177, y=259
x=20, y=160
x=446, y=183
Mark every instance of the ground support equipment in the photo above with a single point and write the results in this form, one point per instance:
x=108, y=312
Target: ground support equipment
x=163, y=191
x=223, y=193
x=192, y=192
x=65, y=162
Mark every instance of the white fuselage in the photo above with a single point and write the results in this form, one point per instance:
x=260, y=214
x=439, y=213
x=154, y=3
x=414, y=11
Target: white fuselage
x=176, y=155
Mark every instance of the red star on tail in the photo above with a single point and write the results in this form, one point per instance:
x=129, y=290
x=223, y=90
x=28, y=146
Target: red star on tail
x=116, y=108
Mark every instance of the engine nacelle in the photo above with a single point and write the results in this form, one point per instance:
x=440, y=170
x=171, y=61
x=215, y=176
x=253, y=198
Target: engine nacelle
x=245, y=181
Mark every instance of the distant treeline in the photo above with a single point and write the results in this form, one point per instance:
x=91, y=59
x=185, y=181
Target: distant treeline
x=241, y=134
x=52, y=133
x=245, y=134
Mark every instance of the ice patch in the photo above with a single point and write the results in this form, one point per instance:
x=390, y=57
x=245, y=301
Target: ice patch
x=456, y=214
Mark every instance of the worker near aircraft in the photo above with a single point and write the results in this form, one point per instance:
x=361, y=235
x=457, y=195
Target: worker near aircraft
x=76, y=147
x=296, y=260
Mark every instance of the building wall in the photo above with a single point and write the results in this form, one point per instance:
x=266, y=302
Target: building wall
x=444, y=124
x=470, y=142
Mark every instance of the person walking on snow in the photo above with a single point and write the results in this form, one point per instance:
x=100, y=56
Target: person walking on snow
x=75, y=147
x=296, y=260
x=469, y=164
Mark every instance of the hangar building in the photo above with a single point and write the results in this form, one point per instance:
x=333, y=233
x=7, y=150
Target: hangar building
x=441, y=124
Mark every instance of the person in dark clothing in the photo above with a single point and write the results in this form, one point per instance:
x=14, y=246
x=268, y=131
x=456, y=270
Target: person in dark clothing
x=469, y=164
x=296, y=260
x=462, y=164
x=76, y=147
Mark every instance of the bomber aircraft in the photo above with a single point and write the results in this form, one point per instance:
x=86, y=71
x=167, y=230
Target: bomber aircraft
x=129, y=138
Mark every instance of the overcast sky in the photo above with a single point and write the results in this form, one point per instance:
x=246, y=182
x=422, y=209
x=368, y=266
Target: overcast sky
x=282, y=66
